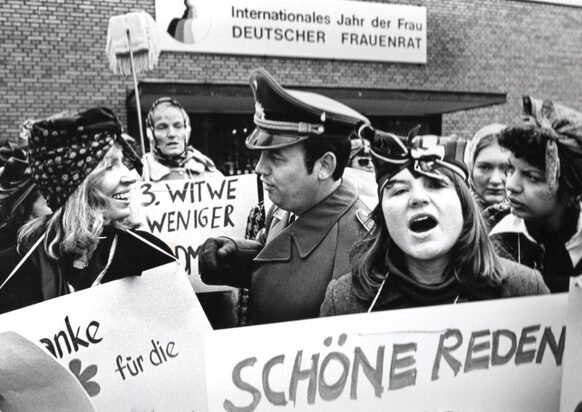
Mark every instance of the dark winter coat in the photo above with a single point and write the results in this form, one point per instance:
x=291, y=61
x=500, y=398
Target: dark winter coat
x=297, y=261
x=557, y=261
x=41, y=278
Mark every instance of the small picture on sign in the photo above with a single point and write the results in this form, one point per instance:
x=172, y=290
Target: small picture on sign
x=193, y=26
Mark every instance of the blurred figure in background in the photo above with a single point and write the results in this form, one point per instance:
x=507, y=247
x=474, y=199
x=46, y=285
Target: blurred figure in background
x=360, y=157
x=487, y=163
x=20, y=200
x=170, y=157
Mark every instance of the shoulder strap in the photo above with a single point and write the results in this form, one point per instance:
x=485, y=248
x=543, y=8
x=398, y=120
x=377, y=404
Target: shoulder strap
x=22, y=260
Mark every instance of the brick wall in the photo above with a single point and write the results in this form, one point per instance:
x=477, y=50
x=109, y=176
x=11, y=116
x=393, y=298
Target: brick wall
x=52, y=59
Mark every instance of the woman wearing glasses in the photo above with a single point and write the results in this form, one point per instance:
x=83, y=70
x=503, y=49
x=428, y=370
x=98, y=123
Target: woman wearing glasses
x=429, y=245
x=170, y=156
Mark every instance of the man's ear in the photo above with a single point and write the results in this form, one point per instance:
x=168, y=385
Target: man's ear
x=328, y=163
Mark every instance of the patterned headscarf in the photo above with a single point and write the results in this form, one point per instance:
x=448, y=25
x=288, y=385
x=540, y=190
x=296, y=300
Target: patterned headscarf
x=64, y=150
x=561, y=126
x=421, y=154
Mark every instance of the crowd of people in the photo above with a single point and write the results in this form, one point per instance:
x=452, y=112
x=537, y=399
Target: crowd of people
x=452, y=221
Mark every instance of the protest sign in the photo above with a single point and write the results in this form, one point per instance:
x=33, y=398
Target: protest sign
x=184, y=213
x=571, y=397
x=134, y=344
x=471, y=356
x=31, y=379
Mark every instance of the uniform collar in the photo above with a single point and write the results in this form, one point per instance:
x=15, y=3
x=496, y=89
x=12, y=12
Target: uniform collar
x=309, y=230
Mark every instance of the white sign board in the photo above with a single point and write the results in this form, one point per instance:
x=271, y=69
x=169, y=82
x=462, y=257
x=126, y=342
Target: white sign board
x=571, y=399
x=470, y=356
x=134, y=344
x=323, y=29
x=32, y=380
x=184, y=213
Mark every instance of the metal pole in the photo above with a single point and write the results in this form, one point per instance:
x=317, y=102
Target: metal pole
x=138, y=106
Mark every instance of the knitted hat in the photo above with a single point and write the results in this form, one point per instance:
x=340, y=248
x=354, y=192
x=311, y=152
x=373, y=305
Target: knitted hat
x=64, y=150
x=421, y=154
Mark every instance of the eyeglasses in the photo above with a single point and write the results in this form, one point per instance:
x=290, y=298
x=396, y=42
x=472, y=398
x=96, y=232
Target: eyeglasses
x=364, y=161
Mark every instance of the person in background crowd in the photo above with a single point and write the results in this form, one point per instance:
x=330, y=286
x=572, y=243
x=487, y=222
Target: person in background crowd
x=429, y=245
x=20, y=200
x=168, y=129
x=544, y=184
x=360, y=169
x=77, y=163
x=360, y=157
x=487, y=162
x=305, y=146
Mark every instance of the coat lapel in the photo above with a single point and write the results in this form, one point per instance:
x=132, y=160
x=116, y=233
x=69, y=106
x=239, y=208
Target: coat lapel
x=309, y=230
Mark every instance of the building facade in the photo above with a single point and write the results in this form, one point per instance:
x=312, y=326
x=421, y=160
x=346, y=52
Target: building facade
x=482, y=56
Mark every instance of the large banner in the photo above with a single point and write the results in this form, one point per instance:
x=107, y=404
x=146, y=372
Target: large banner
x=503, y=355
x=571, y=399
x=184, y=213
x=134, y=344
x=322, y=29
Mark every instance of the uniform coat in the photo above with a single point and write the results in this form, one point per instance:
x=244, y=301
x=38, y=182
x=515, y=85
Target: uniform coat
x=298, y=260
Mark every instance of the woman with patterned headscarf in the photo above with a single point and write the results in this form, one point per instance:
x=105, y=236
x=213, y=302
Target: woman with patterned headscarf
x=544, y=184
x=78, y=163
x=168, y=129
x=428, y=245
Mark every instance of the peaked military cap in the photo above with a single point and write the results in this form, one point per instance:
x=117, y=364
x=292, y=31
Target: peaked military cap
x=421, y=154
x=286, y=117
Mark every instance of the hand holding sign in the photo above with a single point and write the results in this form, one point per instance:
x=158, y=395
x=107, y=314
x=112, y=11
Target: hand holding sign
x=184, y=213
x=222, y=261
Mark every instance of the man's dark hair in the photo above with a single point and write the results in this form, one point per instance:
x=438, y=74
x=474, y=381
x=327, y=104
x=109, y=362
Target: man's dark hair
x=316, y=148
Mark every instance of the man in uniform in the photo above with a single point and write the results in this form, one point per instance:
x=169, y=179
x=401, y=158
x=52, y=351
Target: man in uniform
x=317, y=215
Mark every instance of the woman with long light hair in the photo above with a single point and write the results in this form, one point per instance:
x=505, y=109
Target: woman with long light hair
x=78, y=163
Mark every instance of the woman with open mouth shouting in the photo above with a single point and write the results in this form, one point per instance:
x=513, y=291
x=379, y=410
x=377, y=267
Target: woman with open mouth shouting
x=544, y=185
x=78, y=163
x=429, y=243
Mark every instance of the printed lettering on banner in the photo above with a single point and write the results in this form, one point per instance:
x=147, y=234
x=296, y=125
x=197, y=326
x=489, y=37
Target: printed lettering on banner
x=324, y=29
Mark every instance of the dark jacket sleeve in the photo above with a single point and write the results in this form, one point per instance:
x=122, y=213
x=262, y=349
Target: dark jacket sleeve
x=24, y=288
